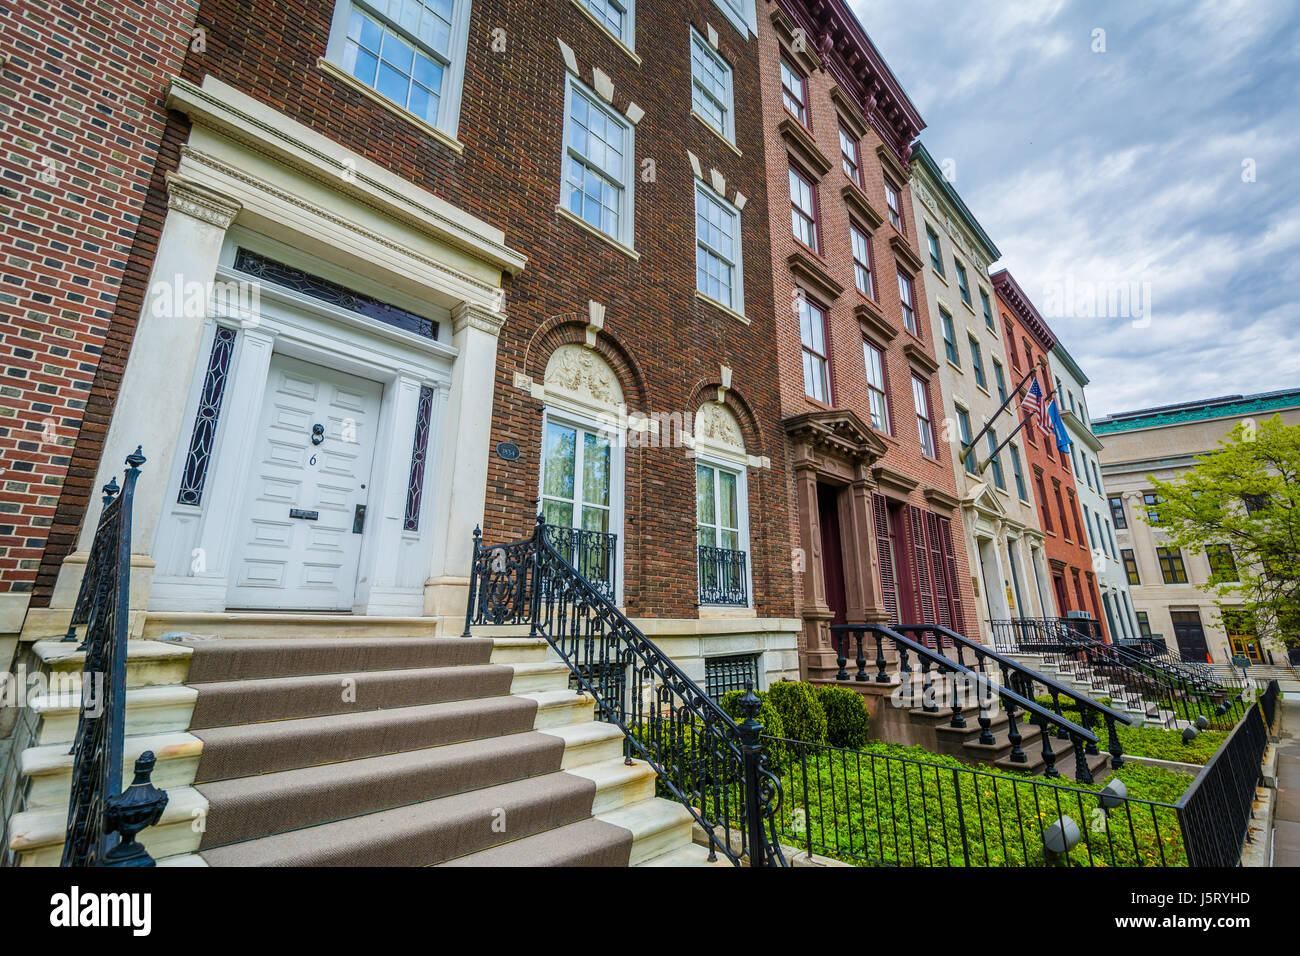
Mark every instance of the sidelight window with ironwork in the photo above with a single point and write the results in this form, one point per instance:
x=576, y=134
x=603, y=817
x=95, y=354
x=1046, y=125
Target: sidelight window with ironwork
x=419, y=455
x=205, y=419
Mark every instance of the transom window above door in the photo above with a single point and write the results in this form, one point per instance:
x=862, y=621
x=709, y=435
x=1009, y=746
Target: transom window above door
x=411, y=52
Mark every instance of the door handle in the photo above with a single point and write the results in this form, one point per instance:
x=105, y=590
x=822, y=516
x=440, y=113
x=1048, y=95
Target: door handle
x=359, y=519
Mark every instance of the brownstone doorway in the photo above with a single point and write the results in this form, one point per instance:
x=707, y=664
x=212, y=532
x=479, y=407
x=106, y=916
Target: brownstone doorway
x=832, y=550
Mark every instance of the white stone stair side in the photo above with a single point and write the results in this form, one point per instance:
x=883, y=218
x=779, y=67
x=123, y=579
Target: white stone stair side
x=149, y=710
x=49, y=768
x=658, y=826
x=36, y=836
x=148, y=663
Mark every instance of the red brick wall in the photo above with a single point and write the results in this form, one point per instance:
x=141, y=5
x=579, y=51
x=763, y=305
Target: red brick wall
x=667, y=344
x=845, y=332
x=1071, y=549
x=80, y=98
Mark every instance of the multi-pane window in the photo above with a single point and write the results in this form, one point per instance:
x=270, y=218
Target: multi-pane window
x=1254, y=503
x=965, y=434
x=1110, y=534
x=1087, y=520
x=1144, y=623
x=1018, y=474
x=995, y=460
x=1096, y=475
x=717, y=249
x=999, y=379
x=1171, y=565
x=924, y=421
x=409, y=51
x=1060, y=509
x=794, y=92
x=597, y=164
x=1130, y=566
x=1117, y=511
x=1222, y=563
x=875, y=362
x=1074, y=510
x=1151, y=500
x=988, y=310
x=711, y=87
x=949, y=337
x=909, y=303
x=963, y=284
x=741, y=15
x=1011, y=348
x=812, y=334
x=577, y=466
x=849, y=156
x=862, y=277
x=936, y=259
x=1042, y=501
x=977, y=362
x=803, y=209
x=613, y=15
x=717, y=510
x=894, y=205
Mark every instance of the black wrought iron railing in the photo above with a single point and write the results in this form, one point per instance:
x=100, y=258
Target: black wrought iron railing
x=1214, y=812
x=593, y=554
x=713, y=765
x=1141, y=682
x=939, y=681
x=98, y=808
x=1026, y=682
x=880, y=809
x=723, y=576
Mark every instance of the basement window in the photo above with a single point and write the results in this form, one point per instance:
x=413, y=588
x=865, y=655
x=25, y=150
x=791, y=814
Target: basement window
x=725, y=674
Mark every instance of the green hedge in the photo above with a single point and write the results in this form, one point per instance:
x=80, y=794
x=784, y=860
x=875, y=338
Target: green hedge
x=847, y=723
x=802, y=714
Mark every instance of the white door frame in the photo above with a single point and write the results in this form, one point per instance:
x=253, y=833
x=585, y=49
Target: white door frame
x=195, y=545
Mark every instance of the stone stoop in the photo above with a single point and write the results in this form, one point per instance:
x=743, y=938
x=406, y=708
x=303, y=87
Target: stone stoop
x=366, y=747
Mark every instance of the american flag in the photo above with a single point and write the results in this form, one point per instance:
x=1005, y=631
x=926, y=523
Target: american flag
x=1033, y=400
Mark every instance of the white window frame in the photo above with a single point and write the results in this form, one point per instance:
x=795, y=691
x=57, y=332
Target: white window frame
x=628, y=7
x=737, y=303
x=570, y=419
x=739, y=469
x=728, y=129
x=626, y=230
x=745, y=20
x=448, y=121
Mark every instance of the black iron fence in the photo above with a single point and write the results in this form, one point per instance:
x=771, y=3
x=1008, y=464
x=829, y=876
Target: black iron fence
x=594, y=554
x=1215, y=810
x=879, y=809
x=97, y=806
x=723, y=576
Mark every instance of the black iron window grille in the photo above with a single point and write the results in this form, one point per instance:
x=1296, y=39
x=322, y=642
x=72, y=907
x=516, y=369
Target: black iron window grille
x=725, y=674
x=592, y=553
x=722, y=575
x=419, y=453
x=205, y=420
x=296, y=280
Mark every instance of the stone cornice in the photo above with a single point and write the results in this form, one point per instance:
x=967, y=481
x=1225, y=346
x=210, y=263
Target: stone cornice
x=803, y=148
x=836, y=430
x=941, y=499
x=858, y=203
x=905, y=252
x=847, y=53
x=896, y=480
x=873, y=321
x=1010, y=292
x=201, y=202
x=813, y=275
x=920, y=358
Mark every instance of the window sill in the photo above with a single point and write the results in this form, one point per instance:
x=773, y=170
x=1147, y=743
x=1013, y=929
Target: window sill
x=714, y=130
x=607, y=32
x=588, y=227
x=955, y=366
x=709, y=300
x=400, y=112
x=941, y=277
x=984, y=390
x=969, y=308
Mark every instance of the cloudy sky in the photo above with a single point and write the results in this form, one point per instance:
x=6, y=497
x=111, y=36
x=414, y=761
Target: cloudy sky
x=1170, y=162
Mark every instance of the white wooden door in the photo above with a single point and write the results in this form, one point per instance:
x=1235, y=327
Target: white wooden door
x=298, y=543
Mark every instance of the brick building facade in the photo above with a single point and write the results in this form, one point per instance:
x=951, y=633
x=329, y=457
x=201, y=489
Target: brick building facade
x=84, y=122
x=1068, y=570
x=874, y=518
x=533, y=287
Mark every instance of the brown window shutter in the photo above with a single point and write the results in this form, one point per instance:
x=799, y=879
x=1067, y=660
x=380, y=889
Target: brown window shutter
x=943, y=608
x=885, y=557
x=954, y=585
x=922, y=563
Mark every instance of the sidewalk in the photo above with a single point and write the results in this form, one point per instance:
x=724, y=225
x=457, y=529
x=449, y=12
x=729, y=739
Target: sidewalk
x=1286, y=819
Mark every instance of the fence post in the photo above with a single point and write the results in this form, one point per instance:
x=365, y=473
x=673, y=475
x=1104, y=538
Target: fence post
x=751, y=748
x=961, y=814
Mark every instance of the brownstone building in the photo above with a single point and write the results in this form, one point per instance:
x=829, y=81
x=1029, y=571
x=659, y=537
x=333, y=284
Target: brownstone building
x=1069, y=570
x=875, y=519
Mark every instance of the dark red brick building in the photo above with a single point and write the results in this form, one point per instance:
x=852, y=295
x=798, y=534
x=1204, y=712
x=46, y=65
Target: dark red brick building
x=875, y=522
x=1029, y=342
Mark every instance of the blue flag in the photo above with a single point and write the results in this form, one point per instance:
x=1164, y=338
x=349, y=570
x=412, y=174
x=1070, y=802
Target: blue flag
x=1058, y=426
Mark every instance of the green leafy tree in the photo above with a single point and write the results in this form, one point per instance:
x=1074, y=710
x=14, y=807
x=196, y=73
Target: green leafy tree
x=1245, y=494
